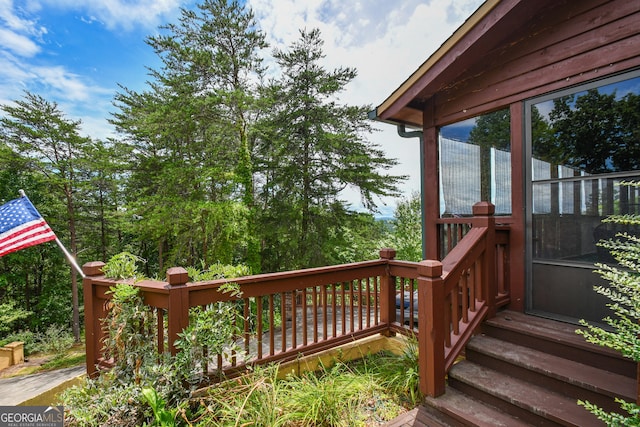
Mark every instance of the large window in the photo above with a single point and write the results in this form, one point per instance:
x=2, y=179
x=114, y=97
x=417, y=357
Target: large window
x=475, y=164
x=584, y=146
x=583, y=149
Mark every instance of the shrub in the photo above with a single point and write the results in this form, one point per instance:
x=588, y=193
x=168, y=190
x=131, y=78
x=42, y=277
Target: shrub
x=624, y=293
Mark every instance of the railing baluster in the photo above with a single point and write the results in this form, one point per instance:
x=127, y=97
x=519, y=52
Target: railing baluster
x=304, y=317
x=323, y=296
x=271, y=326
x=352, y=306
x=283, y=316
x=294, y=315
x=359, y=281
x=343, y=304
x=465, y=296
x=259, y=326
x=315, y=314
x=334, y=311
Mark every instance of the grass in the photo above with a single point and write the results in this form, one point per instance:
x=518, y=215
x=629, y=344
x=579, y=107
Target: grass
x=368, y=392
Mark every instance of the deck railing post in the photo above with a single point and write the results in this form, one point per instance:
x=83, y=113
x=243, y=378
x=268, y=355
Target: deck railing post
x=178, y=307
x=431, y=363
x=483, y=213
x=93, y=312
x=387, y=293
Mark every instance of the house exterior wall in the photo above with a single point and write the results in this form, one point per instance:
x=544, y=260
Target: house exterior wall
x=565, y=43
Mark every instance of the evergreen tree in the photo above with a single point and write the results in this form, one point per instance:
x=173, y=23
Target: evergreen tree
x=51, y=145
x=191, y=133
x=312, y=147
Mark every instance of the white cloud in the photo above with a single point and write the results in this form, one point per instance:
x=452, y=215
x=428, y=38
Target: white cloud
x=122, y=14
x=17, y=43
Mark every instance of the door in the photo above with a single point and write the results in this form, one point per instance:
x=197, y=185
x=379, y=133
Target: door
x=583, y=147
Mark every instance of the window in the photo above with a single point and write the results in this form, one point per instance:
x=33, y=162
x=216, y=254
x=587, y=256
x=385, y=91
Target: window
x=584, y=145
x=475, y=164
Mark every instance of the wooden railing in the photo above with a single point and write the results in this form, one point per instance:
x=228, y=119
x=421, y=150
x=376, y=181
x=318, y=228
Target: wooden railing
x=460, y=292
x=319, y=309
x=439, y=302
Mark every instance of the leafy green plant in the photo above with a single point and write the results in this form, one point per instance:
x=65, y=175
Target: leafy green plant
x=123, y=266
x=217, y=271
x=624, y=294
x=128, y=326
x=163, y=417
x=326, y=398
x=56, y=340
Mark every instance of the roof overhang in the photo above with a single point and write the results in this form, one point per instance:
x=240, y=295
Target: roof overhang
x=405, y=105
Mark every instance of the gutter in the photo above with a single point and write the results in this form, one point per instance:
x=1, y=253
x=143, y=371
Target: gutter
x=403, y=133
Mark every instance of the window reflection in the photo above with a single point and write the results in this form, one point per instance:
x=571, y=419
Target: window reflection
x=585, y=147
x=475, y=164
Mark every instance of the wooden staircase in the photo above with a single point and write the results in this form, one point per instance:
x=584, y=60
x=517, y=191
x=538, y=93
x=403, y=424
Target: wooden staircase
x=523, y=370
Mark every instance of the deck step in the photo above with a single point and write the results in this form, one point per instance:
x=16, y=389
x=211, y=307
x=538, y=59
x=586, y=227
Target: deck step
x=458, y=409
x=528, y=402
x=570, y=378
x=525, y=370
x=557, y=338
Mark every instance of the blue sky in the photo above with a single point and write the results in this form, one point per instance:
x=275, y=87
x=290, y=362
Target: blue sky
x=76, y=52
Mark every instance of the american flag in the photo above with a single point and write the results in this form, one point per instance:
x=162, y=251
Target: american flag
x=22, y=226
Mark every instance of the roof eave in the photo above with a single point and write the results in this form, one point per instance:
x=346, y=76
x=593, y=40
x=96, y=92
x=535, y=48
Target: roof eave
x=396, y=109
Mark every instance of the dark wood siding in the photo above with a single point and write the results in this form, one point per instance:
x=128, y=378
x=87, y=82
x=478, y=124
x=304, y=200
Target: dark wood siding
x=568, y=43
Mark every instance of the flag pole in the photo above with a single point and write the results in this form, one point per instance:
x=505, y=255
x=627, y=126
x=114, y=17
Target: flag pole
x=64, y=250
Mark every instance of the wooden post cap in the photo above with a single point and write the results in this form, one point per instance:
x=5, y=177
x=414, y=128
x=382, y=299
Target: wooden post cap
x=93, y=268
x=484, y=209
x=430, y=268
x=387, y=253
x=177, y=276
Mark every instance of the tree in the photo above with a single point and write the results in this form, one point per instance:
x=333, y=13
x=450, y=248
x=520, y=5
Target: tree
x=598, y=132
x=406, y=235
x=51, y=145
x=310, y=148
x=191, y=137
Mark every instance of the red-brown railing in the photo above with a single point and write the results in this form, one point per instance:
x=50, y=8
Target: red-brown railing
x=460, y=292
x=441, y=303
x=320, y=308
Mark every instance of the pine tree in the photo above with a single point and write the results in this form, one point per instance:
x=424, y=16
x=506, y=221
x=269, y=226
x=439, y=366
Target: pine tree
x=312, y=147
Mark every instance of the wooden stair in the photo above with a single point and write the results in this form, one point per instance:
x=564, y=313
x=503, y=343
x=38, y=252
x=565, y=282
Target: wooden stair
x=524, y=370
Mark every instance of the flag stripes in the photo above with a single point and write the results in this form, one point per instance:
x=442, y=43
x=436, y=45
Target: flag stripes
x=21, y=226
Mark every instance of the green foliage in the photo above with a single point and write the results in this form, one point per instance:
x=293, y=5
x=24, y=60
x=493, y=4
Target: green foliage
x=217, y=271
x=55, y=340
x=30, y=340
x=399, y=375
x=346, y=394
x=406, y=237
x=142, y=378
x=623, y=291
x=122, y=266
x=163, y=417
x=309, y=148
x=128, y=326
x=10, y=314
x=210, y=332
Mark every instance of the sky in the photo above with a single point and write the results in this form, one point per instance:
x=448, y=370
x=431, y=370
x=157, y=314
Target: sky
x=79, y=53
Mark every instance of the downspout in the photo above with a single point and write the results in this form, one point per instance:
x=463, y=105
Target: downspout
x=402, y=131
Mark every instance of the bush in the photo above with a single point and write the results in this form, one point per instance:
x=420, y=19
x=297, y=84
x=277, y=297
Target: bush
x=624, y=292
